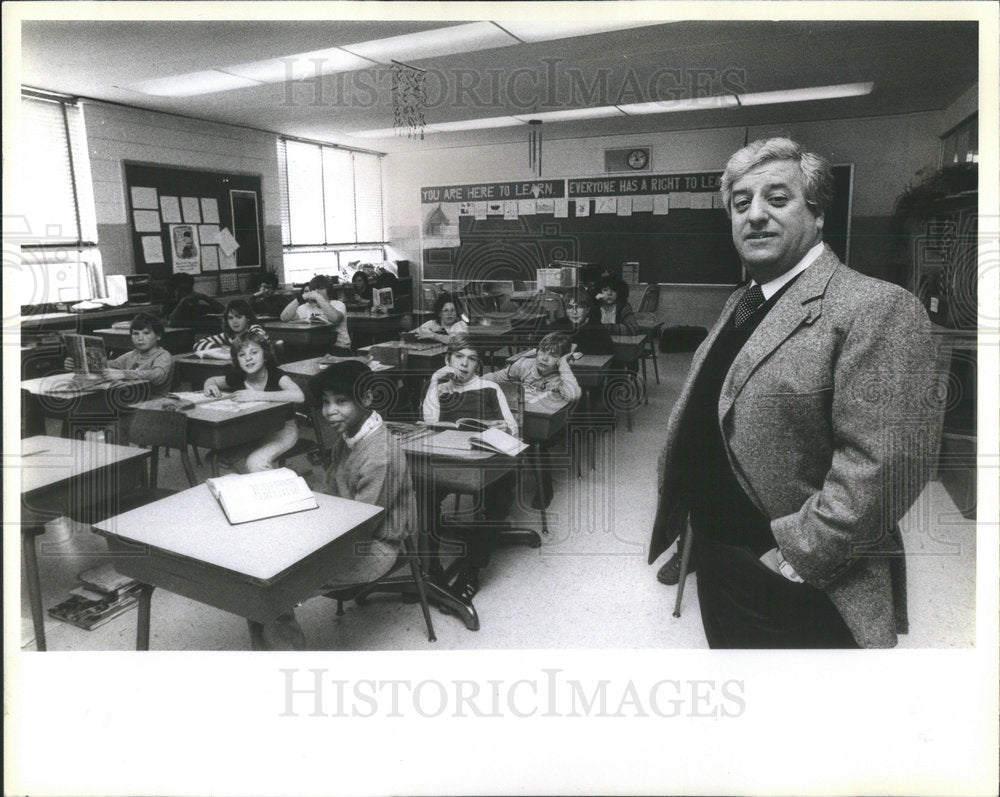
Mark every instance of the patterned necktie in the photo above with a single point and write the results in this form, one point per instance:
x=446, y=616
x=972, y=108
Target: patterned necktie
x=750, y=301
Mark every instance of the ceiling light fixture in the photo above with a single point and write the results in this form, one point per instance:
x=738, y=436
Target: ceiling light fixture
x=409, y=47
x=808, y=94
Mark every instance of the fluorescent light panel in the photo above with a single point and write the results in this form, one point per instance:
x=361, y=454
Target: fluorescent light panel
x=807, y=94
x=642, y=108
x=676, y=106
x=301, y=66
x=470, y=37
x=573, y=114
x=433, y=43
x=192, y=84
x=543, y=31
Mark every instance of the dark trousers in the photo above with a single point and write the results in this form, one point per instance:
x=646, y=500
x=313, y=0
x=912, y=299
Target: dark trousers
x=745, y=604
x=480, y=537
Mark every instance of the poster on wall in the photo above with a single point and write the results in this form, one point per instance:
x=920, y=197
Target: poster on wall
x=184, y=249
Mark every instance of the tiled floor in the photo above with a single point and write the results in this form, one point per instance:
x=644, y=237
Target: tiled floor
x=588, y=586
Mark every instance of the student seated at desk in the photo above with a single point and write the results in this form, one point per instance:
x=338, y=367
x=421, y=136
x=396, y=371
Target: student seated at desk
x=616, y=314
x=239, y=317
x=368, y=465
x=266, y=301
x=446, y=321
x=363, y=288
x=547, y=371
x=456, y=391
x=583, y=324
x=315, y=302
x=186, y=307
x=147, y=360
x=255, y=377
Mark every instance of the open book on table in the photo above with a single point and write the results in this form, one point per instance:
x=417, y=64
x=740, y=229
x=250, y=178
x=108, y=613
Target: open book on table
x=462, y=424
x=495, y=440
x=254, y=496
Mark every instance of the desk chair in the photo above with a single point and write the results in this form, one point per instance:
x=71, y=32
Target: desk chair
x=651, y=328
x=650, y=301
x=153, y=428
x=685, y=542
x=413, y=585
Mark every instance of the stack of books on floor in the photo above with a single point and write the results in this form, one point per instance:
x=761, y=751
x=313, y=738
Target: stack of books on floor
x=103, y=594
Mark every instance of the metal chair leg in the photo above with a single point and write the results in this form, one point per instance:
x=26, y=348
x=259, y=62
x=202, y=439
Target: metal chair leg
x=688, y=536
x=34, y=583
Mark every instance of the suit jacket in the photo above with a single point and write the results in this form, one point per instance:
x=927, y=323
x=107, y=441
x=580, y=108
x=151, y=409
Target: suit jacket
x=831, y=421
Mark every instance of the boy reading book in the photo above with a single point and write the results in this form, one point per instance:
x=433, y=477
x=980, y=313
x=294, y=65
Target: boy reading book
x=147, y=360
x=315, y=304
x=367, y=465
x=456, y=392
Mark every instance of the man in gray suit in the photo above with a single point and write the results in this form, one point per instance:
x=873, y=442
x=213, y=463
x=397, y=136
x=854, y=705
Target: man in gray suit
x=806, y=428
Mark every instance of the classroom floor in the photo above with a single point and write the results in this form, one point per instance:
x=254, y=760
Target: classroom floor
x=588, y=586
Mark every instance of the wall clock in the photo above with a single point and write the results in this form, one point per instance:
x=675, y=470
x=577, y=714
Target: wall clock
x=638, y=158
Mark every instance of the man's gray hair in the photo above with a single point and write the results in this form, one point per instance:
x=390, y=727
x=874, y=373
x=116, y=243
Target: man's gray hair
x=816, y=172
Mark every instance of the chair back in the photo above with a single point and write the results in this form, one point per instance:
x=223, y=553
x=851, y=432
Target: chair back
x=650, y=299
x=514, y=392
x=159, y=428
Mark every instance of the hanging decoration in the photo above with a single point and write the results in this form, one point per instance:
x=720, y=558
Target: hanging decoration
x=535, y=147
x=409, y=98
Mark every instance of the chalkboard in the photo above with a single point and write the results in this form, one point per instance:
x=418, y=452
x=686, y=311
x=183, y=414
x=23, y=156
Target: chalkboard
x=691, y=246
x=176, y=214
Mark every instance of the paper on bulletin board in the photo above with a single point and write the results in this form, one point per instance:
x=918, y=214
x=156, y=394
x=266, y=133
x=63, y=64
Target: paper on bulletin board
x=510, y=209
x=170, y=207
x=642, y=204
x=184, y=249
x=143, y=198
x=717, y=201
x=701, y=201
x=226, y=262
x=544, y=206
x=227, y=243
x=152, y=249
x=624, y=206
x=561, y=208
x=208, y=233
x=210, y=258
x=479, y=210
x=526, y=207
x=661, y=204
x=680, y=199
x=466, y=208
x=191, y=210
x=582, y=207
x=146, y=220
x=606, y=204
x=209, y=210
x=494, y=207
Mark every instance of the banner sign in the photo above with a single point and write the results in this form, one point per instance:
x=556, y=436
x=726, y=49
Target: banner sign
x=636, y=185
x=532, y=189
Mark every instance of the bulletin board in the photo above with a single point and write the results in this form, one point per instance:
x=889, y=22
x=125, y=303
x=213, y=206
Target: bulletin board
x=192, y=221
x=689, y=242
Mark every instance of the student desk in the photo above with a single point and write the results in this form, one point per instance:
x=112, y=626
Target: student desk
x=301, y=337
x=628, y=350
x=61, y=476
x=257, y=570
x=84, y=321
x=221, y=423
x=366, y=327
x=193, y=370
x=89, y=405
x=418, y=361
x=174, y=339
x=438, y=471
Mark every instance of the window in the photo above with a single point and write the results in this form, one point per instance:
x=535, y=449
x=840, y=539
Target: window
x=331, y=209
x=54, y=220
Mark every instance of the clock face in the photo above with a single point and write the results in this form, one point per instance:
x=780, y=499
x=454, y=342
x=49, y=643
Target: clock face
x=637, y=158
